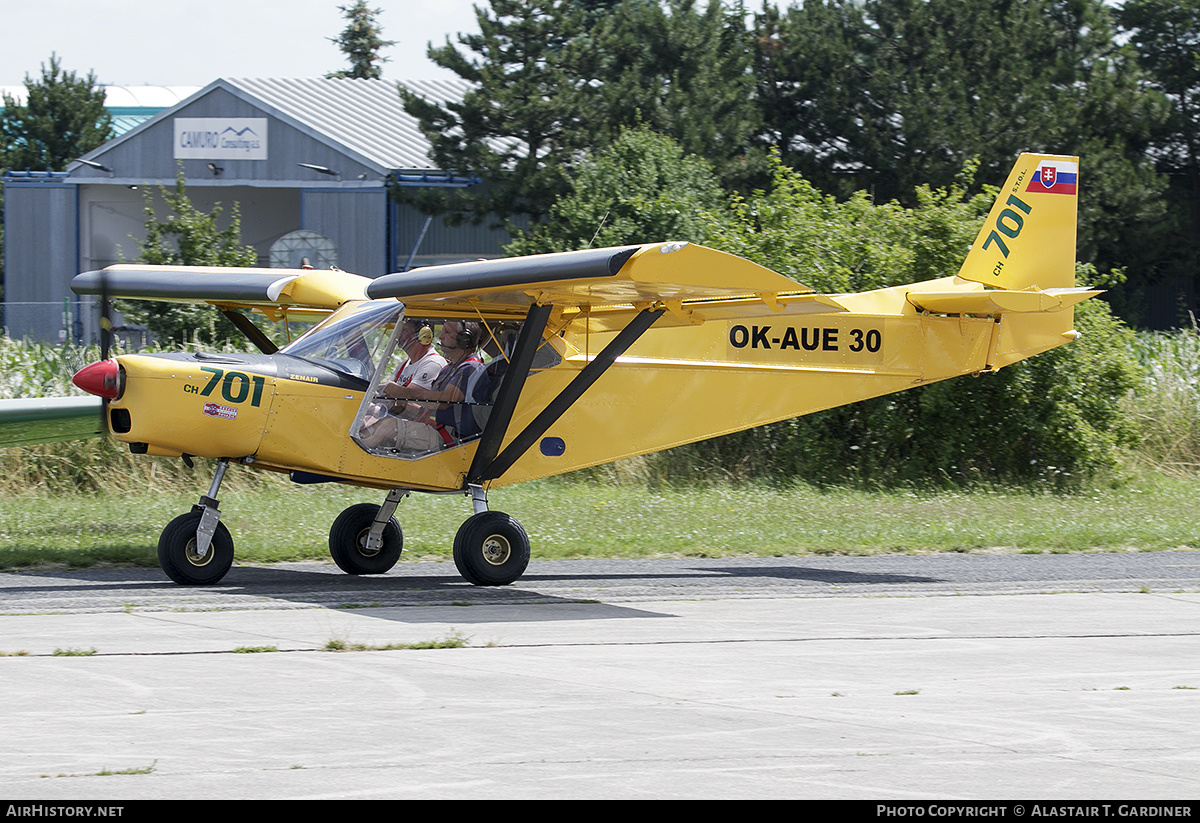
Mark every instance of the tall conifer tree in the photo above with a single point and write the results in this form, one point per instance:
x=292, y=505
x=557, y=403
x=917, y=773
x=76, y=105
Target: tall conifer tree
x=1166, y=36
x=361, y=41
x=525, y=117
x=63, y=117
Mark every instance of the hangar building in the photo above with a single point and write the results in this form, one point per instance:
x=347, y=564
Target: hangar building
x=308, y=162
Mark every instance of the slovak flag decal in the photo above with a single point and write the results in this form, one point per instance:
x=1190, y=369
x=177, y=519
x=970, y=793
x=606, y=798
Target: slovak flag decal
x=1054, y=177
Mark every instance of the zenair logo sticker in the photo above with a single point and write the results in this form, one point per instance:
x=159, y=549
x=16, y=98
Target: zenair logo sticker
x=217, y=410
x=1054, y=177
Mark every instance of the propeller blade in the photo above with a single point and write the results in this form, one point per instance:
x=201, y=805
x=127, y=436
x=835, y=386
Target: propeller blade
x=105, y=347
x=105, y=319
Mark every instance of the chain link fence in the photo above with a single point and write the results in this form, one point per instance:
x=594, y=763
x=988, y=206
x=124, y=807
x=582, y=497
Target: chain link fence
x=73, y=320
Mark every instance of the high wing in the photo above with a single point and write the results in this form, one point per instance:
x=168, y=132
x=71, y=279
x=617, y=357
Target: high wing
x=27, y=422
x=280, y=294
x=692, y=284
x=226, y=287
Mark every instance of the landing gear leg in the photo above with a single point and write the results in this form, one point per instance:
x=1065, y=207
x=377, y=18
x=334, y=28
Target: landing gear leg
x=491, y=548
x=478, y=499
x=210, y=516
x=195, y=549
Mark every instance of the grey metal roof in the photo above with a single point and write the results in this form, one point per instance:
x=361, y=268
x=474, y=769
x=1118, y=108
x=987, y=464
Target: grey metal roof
x=358, y=117
x=365, y=117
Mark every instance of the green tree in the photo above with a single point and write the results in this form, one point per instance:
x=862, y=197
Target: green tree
x=1166, y=37
x=525, y=117
x=63, y=118
x=1055, y=418
x=361, y=41
x=682, y=68
x=807, y=66
x=188, y=237
x=640, y=189
x=885, y=95
x=553, y=78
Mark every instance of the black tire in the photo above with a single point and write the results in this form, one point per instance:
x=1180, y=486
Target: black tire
x=491, y=549
x=348, y=537
x=177, y=552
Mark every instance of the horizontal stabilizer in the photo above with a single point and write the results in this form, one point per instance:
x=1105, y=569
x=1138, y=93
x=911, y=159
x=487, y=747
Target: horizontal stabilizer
x=999, y=301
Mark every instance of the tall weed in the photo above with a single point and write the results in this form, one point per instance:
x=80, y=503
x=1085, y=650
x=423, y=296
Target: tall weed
x=1158, y=421
x=1166, y=405
x=96, y=465
x=34, y=369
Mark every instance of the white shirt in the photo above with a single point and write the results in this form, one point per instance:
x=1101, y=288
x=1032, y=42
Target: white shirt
x=421, y=372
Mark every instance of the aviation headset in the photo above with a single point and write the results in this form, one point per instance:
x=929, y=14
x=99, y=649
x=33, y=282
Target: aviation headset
x=422, y=330
x=468, y=337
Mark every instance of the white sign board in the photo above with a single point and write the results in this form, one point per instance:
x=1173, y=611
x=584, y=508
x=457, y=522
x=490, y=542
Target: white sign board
x=220, y=138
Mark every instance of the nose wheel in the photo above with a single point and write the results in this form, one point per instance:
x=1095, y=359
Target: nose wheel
x=185, y=560
x=195, y=549
x=491, y=549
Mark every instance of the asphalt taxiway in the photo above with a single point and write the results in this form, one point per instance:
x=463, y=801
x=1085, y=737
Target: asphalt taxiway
x=677, y=681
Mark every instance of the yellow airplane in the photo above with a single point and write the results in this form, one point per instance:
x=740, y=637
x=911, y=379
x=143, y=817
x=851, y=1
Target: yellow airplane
x=553, y=363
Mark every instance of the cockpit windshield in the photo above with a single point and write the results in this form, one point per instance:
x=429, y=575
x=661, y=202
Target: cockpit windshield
x=352, y=339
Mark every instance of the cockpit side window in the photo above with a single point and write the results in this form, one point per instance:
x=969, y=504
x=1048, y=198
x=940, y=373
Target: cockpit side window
x=467, y=390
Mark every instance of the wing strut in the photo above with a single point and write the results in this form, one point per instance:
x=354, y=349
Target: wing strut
x=510, y=390
x=253, y=332
x=559, y=405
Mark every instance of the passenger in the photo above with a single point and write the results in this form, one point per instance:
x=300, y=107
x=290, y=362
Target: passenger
x=444, y=416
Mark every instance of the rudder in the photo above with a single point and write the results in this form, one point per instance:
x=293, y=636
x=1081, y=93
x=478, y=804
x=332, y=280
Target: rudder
x=1028, y=239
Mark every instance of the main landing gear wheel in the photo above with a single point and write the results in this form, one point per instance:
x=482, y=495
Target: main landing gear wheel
x=348, y=541
x=179, y=558
x=491, y=549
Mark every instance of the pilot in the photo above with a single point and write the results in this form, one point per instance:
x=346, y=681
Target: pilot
x=446, y=418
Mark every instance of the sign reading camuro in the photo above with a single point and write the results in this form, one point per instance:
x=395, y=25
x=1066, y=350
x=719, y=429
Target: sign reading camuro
x=220, y=138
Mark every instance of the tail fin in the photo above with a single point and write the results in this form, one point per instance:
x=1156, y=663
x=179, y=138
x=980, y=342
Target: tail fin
x=1028, y=239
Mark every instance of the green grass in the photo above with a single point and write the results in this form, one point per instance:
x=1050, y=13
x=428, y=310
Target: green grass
x=86, y=503
x=454, y=640
x=277, y=522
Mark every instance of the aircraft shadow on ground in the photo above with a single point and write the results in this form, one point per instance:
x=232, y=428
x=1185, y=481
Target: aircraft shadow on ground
x=326, y=586
x=832, y=576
